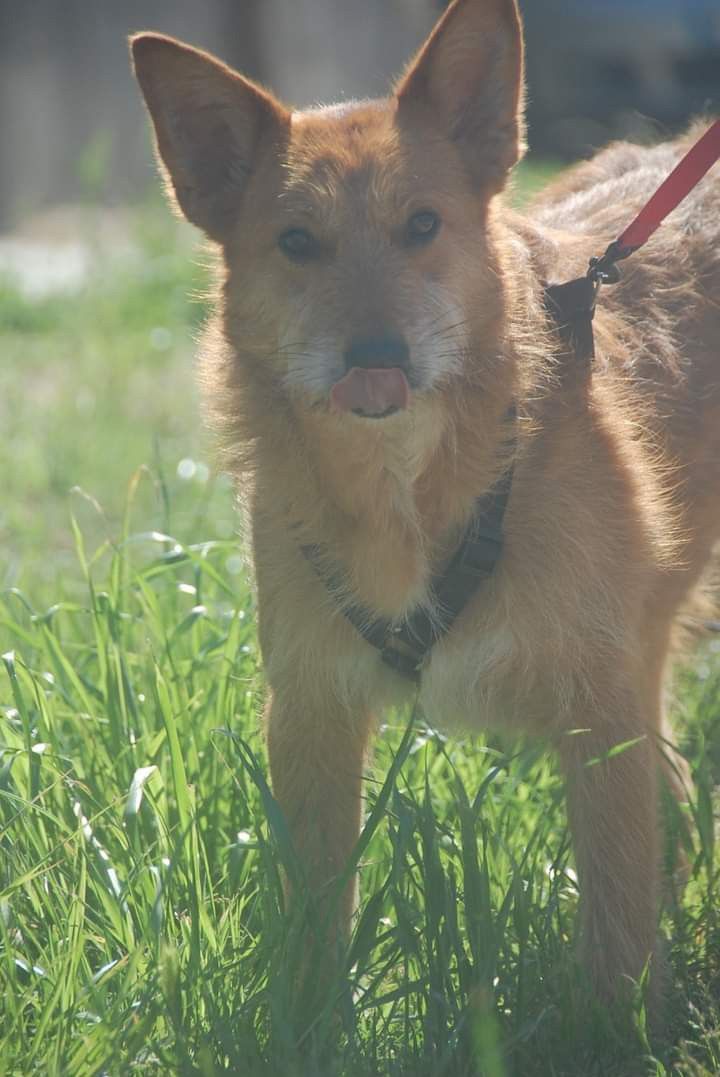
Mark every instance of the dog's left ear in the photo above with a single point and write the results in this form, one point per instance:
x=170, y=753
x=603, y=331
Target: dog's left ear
x=470, y=74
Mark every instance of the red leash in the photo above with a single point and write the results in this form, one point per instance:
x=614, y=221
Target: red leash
x=572, y=305
x=686, y=175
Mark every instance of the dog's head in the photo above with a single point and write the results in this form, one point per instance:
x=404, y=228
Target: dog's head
x=355, y=236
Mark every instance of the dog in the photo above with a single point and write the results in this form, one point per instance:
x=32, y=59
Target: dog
x=382, y=359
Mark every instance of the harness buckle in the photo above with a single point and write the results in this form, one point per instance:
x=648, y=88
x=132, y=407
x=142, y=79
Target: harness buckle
x=603, y=271
x=407, y=662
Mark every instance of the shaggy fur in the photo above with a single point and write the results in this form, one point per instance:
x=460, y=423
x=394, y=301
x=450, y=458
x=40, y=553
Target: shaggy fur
x=614, y=507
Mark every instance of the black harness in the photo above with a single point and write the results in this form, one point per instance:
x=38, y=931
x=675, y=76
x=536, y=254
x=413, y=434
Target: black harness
x=405, y=645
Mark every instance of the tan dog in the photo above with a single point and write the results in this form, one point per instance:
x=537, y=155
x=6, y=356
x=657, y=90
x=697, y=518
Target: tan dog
x=379, y=318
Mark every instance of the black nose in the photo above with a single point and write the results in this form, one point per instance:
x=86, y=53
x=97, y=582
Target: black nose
x=380, y=350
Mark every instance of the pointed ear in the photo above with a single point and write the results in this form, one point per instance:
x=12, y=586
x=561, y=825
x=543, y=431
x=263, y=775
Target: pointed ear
x=209, y=122
x=470, y=74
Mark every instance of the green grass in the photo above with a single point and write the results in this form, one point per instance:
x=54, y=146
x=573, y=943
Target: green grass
x=94, y=385
x=142, y=927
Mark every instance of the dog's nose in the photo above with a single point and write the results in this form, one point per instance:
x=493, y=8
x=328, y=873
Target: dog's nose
x=376, y=351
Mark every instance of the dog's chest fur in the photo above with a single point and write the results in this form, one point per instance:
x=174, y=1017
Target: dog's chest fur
x=468, y=681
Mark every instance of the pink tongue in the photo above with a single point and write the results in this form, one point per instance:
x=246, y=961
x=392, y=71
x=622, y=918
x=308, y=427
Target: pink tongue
x=372, y=392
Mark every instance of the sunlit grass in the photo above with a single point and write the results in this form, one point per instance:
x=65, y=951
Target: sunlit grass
x=142, y=924
x=93, y=384
x=142, y=914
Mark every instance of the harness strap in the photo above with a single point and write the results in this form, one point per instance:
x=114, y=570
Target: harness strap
x=572, y=308
x=474, y=561
x=405, y=645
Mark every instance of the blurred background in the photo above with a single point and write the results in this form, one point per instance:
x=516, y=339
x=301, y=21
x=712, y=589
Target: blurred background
x=96, y=327
x=72, y=125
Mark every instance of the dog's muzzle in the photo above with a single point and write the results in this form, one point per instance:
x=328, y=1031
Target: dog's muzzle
x=375, y=385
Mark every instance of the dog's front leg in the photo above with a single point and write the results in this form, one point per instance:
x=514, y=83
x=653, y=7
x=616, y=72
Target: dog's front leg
x=317, y=751
x=611, y=765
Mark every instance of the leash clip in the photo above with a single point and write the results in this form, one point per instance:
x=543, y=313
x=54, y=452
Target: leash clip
x=604, y=270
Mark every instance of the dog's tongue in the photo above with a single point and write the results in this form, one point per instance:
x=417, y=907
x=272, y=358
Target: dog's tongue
x=375, y=392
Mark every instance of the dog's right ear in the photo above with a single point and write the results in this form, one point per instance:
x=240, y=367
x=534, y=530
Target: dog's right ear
x=209, y=122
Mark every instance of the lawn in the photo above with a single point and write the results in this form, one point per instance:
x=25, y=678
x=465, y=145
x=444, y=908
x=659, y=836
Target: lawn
x=141, y=915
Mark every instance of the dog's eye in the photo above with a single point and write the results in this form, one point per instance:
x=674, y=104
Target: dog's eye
x=423, y=226
x=298, y=245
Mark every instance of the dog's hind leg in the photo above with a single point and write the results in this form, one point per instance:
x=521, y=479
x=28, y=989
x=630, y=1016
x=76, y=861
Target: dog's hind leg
x=674, y=768
x=611, y=766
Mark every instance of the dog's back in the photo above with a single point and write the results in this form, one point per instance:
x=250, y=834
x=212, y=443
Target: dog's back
x=663, y=317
